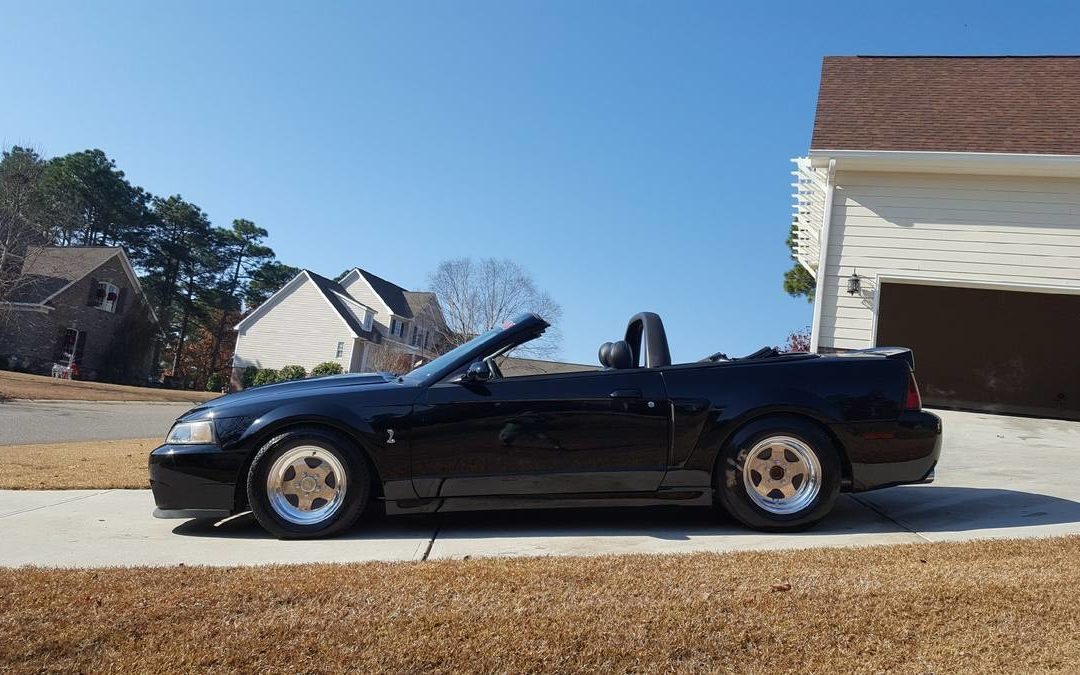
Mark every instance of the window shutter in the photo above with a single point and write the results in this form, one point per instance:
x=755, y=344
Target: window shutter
x=92, y=298
x=121, y=295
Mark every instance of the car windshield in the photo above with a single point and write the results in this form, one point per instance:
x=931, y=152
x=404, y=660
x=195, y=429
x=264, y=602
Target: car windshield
x=437, y=365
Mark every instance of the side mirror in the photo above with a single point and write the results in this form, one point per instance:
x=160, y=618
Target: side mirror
x=477, y=372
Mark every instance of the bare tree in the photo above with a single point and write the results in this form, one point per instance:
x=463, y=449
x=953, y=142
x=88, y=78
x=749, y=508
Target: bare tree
x=391, y=357
x=479, y=295
x=21, y=229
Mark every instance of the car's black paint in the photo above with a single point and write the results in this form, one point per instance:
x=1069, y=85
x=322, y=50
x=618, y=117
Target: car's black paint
x=439, y=441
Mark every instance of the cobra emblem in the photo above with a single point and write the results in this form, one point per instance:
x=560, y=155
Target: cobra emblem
x=390, y=437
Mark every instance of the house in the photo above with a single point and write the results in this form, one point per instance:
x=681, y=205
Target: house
x=939, y=208
x=517, y=366
x=412, y=320
x=80, y=305
x=362, y=322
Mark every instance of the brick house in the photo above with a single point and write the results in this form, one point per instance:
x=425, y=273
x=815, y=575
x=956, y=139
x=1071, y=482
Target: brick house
x=81, y=305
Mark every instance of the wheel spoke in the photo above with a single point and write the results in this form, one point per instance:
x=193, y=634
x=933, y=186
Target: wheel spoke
x=306, y=500
x=786, y=488
x=298, y=488
x=788, y=475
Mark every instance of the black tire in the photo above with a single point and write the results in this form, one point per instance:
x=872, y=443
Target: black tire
x=730, y=488
x=357, y=491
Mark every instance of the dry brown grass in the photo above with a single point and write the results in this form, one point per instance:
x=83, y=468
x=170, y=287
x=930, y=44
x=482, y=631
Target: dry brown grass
x=981, y=606
x=74, y=466
x=23, y=385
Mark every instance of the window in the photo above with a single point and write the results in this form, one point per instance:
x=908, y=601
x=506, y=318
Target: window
x=412, y=341
x=367, y=320
x=340, y=350
x=105, y=296
x=427, y=334
x=72, y=345
x=393, y=326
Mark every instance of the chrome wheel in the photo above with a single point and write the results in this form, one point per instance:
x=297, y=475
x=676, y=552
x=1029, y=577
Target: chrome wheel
x=782, y=475
x=306, y=485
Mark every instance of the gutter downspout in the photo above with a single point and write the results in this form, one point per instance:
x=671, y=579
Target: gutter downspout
x=823, y=251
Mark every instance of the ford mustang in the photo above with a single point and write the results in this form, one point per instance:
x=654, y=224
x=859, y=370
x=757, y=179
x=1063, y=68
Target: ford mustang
x=772, y=438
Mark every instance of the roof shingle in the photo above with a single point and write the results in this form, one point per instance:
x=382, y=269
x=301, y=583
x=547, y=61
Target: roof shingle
x=331, y=290
x=1024, y=104
x=392, y=294
x=47, y=270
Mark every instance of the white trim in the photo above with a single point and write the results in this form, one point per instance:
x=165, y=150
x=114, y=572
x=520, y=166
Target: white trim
x=265, y=306
x=360, y=275
x=262, y=309
x=1002, y=163
x=28, y=306
x=931, y=280
x=823, y=251
x=354, y=301
x=329, y=304
x=128, y=270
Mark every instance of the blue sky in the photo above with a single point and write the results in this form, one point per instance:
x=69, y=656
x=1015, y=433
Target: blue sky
x=631, y=155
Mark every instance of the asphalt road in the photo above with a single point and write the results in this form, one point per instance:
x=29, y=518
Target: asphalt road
x=61, y=421
x=999, y=477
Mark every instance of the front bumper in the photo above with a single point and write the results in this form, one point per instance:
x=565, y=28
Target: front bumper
x=883, y=454
x=194, y=481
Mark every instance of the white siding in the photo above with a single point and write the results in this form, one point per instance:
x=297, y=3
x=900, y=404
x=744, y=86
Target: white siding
x=301, y=328
x=359, y=288
x=961, y=229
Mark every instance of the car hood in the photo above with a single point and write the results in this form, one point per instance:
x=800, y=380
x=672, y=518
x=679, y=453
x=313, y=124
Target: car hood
x=272, y=392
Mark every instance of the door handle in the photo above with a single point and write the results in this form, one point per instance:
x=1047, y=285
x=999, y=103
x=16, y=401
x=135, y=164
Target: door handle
x=626, y=393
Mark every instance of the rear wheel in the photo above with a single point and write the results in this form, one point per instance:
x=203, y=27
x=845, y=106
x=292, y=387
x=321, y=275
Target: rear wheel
x=307, y=483
x=778, y=473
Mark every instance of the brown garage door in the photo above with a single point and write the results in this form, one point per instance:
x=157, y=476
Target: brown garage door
x=1002, y=351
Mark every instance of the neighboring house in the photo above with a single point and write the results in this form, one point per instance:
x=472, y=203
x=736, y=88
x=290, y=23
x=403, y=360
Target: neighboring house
x=80, y=305
x=514, y=366
x=939, y=208
x=362, y=323
x=409, y=320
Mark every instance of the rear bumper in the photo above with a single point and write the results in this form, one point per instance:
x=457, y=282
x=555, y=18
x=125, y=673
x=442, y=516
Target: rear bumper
x=883, y=454
x=194, y=481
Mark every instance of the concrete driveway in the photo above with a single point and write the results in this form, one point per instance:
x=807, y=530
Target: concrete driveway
x=999, y=477
x=62, y=421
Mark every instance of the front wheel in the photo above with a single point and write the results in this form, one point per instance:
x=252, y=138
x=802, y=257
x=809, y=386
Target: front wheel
x=307, y=483
x=778, y=474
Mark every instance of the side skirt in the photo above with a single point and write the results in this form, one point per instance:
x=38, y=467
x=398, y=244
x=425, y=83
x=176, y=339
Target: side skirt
x=681, y=496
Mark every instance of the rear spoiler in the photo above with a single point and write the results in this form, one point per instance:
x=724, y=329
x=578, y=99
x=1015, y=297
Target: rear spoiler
x=892, y=353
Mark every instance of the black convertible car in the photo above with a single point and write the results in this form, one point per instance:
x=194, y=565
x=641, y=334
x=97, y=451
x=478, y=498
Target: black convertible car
x=771, y=437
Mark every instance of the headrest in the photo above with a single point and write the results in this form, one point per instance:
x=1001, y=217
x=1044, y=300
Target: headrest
x=605, y=354
x=620, y=356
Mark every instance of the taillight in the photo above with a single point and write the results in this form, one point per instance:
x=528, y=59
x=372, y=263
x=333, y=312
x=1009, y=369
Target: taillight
x=912, y=401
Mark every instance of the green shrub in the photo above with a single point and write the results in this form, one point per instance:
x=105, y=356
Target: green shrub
x=265, y=376
x=213, y=383
x=5, y=366
x=247, y=378
x=327, y=368
x=292, y=373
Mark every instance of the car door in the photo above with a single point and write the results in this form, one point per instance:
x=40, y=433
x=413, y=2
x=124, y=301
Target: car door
x=588, y=432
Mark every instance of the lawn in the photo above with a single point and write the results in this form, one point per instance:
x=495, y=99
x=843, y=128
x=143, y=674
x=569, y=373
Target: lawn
x=23, y=385
x=1006, y=606
x=72, y=466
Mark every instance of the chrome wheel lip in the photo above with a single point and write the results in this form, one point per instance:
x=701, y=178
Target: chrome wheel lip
x=806, y=464
x=307, y=483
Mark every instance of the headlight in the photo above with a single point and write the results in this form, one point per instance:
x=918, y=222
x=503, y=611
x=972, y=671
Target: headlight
x=201, y=432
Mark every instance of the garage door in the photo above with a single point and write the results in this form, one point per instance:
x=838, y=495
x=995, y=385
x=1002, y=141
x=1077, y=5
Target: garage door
x=1001, y=351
